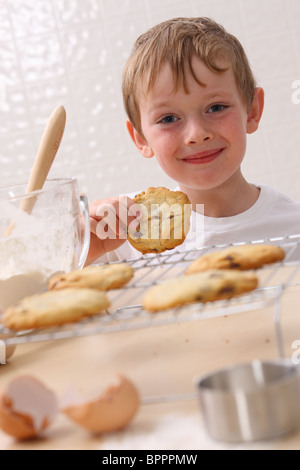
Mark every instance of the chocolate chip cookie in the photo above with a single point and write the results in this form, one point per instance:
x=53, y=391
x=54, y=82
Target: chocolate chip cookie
x=199, y=287
x=165, y=220
x=240, y=257
x=102, y=277
x=54, y=308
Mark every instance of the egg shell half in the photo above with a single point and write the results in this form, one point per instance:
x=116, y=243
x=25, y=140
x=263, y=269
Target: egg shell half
x=27, y=408
x=111, y=411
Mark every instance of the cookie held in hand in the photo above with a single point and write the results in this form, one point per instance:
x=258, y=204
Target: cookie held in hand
x=240, y=257
x=165, y=220
x=199, y=287
x=54, y=308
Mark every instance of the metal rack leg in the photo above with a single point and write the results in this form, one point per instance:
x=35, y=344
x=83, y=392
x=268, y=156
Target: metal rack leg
x=277, y=323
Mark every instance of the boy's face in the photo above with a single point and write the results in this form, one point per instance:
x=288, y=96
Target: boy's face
x=199, y=139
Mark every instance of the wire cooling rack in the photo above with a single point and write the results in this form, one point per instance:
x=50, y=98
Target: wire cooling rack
x=126, y=311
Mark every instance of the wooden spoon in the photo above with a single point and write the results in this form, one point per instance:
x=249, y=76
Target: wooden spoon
x=47, y=150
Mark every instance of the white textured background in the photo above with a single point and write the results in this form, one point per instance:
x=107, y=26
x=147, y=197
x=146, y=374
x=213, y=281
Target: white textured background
x=71, y=52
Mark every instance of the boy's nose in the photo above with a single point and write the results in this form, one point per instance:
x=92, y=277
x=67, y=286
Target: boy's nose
x=197, y=133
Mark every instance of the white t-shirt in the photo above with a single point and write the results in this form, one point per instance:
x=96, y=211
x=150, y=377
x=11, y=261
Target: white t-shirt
x=273, y=215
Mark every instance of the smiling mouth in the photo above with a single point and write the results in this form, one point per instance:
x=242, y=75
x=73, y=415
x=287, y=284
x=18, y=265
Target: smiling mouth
x=203, y=157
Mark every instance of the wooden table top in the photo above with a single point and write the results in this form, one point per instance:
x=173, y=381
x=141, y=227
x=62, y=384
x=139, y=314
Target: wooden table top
x=163, y=362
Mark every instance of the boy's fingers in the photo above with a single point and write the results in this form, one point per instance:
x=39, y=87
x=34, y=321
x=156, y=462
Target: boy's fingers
x=99, y=209
x=135, y=211
x=93, y=225
x=128, y=210
x=110, y=218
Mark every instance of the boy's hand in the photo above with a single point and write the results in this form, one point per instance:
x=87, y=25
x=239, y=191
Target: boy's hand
x=109, y=220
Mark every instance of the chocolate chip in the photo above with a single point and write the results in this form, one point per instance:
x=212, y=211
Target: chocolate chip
x=138, y=234
x=233, y=264
x=226, y=290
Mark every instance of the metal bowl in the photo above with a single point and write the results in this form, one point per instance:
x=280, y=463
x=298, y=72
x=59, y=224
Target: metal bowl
x=250, y=402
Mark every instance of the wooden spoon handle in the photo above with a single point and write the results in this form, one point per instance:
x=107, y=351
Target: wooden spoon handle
x=47, y=150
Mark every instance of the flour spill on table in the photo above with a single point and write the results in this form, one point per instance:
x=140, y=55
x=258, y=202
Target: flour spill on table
x=173, y=432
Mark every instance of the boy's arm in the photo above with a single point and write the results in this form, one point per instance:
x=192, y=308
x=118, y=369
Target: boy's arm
x=109, y=221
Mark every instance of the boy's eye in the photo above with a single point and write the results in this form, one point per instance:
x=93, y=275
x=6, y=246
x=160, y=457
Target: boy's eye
x=216, y=108
x=168, y=119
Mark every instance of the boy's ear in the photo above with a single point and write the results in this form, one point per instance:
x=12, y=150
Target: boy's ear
x=139, y=141
x=256, y=110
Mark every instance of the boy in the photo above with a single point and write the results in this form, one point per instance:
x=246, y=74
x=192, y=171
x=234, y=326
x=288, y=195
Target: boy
x=191, y=99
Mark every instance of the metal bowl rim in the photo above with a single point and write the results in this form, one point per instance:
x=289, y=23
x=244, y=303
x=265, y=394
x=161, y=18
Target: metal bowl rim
x=291, y=374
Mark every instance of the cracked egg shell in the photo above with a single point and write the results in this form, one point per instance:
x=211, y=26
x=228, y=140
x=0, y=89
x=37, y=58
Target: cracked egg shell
x=27, y=408
x=111, y=411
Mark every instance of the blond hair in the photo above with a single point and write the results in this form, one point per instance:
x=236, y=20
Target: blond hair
x=175, y=42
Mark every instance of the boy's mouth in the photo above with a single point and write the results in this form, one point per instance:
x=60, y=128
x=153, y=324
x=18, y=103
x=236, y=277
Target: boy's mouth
x=203, y=157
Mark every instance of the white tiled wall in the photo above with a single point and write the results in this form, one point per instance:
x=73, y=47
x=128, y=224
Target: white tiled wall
x=71, y=52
